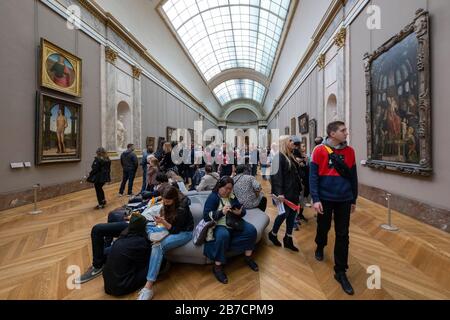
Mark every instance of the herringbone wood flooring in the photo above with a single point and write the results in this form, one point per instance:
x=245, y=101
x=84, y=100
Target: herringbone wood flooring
x=36, y=250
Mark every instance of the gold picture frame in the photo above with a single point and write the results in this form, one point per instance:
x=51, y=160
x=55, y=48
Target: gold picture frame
x=60, y=70
x=58, y=129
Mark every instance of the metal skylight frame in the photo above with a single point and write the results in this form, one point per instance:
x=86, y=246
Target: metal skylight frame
x=220, y=35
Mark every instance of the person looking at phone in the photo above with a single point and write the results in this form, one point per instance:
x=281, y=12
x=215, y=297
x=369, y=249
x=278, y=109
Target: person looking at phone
x=176, y=217
x=220, y=206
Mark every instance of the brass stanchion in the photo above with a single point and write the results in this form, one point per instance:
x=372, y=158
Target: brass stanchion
x=36, y=187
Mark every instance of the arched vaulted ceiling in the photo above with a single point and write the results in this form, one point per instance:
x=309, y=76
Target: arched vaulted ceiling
x=232, y=43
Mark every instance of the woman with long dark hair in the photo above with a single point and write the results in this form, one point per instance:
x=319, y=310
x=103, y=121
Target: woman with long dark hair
x=223, y=207
x=99, y=175
x=175, y=217
x=286, y=184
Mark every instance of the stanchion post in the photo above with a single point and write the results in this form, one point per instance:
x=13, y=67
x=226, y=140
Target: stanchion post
x=35, y=190
x=389, y=225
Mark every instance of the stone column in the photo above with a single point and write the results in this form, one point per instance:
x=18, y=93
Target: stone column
x=320, y=102
x=103, y=95
x=340, y=41
x=110, y=118
x=137, y=108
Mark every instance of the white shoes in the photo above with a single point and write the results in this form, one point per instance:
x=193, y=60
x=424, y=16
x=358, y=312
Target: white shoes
x=145, y=294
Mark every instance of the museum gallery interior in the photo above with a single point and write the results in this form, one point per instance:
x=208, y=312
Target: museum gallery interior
x=107, y=84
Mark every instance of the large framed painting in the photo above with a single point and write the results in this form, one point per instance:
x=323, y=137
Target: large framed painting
x=169, y=131
x=293, y=126
x=58, y=129
x=398, y=101
x=150, y=143
x=60, y=70
x=303, y=123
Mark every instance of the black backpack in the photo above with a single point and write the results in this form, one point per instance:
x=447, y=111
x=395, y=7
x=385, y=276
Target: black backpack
x=338, y=164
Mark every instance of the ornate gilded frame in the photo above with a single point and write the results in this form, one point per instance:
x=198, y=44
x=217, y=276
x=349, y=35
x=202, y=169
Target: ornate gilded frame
x=41, y=130
x=420, y=26
x=48, y=49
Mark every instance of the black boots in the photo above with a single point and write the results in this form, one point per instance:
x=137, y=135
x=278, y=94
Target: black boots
x=319, y=254
x=274, y=239
x=289, y=244
x=251, y=263
x=219, y=273
x=341, y=277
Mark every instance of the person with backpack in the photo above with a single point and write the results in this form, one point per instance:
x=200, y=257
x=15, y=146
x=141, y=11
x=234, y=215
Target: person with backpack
x=334, y=188
x=126, y=268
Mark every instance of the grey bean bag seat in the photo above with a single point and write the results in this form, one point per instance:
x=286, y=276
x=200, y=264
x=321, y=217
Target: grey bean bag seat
x=190, y=253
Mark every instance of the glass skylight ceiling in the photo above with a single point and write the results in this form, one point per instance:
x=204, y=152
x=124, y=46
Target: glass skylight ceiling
x=226, y=34
x=239, y=89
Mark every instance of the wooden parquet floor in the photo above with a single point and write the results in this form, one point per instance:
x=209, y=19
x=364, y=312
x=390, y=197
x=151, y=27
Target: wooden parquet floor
x=36, y=251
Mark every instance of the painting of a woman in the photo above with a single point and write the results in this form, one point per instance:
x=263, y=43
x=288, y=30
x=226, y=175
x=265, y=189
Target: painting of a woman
x=60, y=70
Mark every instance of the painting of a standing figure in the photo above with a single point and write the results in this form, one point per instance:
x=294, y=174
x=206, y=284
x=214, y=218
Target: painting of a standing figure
x=58, y=130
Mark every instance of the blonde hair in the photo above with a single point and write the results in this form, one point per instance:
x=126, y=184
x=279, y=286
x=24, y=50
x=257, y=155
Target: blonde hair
x=283, y=147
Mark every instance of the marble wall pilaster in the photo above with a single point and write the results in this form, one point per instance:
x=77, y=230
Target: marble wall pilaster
x=110, y=117
x=137, y=110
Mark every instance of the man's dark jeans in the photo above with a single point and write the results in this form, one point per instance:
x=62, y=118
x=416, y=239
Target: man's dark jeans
x=128, y=175
x=341, y=213
x=98, y=234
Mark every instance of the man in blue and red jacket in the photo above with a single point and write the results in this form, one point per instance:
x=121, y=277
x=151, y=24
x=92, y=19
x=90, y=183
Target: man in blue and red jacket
x=334, y=188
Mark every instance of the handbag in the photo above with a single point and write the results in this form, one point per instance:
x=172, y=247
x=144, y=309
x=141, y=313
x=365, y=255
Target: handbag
x=234, y=222
x=200, y=233
x=91, y=178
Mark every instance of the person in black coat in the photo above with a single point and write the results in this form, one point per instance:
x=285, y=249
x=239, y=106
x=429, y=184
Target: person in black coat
x=286, y=184
x=129, y=162
x=100, y=174
x=127, y=264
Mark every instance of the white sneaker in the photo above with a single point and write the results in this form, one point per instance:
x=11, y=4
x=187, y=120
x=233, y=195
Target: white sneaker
x=145, y=294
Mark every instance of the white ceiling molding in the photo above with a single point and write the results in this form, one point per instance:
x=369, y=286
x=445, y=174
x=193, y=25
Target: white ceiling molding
x=238, y=73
